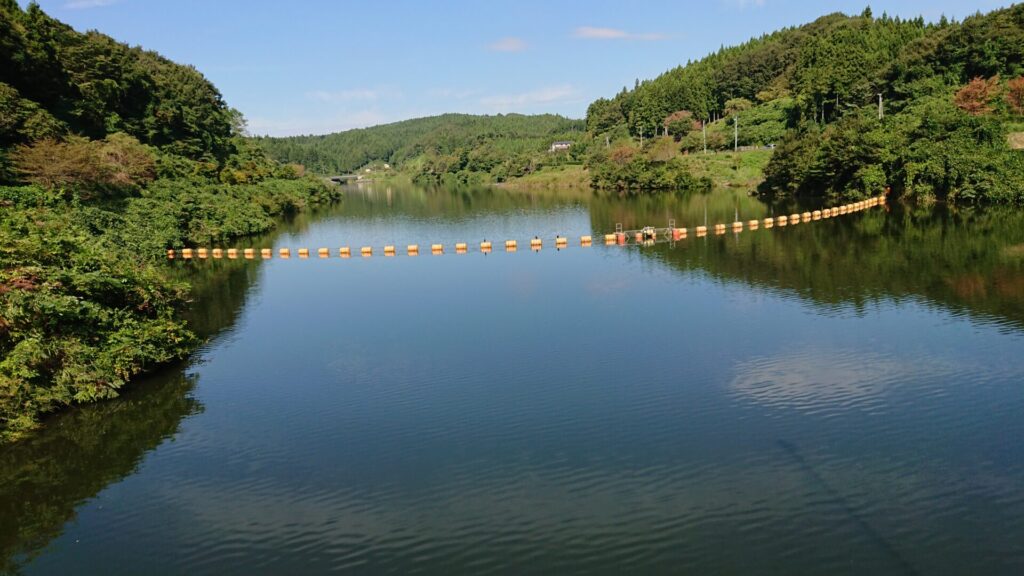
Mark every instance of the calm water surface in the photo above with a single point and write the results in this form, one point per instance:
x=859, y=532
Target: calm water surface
x=839, y=397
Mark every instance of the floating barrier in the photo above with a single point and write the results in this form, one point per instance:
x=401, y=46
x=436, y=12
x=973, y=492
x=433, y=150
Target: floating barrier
x=647, y=236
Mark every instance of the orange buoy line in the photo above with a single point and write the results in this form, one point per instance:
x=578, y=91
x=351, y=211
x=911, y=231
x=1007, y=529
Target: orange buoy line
x=645, y=236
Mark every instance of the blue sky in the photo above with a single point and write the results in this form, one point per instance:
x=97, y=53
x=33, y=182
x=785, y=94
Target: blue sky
x=319, y=66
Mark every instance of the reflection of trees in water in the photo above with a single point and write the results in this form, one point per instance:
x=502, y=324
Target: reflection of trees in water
x=46, y=477
x=966, y=260
x=78, y=453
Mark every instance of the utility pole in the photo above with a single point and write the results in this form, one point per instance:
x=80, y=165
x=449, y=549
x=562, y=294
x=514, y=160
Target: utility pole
x=879, y=105
x=736, y=133
x=704, y=129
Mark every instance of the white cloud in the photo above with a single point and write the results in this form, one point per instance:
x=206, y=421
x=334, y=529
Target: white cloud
x=453, y=94
x=527, y=100
x=596, y=33
x=744, y=3
x=86, y=4
x=509, y=44
x=364, y=94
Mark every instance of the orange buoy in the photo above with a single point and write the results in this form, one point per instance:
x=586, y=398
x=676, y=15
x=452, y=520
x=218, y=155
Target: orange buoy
x=585, y=240
x=284, y=253
x=794, y=218
x=737, y=226
x=620, y=238
x=719, y=228
x=232, y=253
x=170, y=254
x=485, y=246
x=460, y=248
x=769, y=222
x=345, y=252
x=816, y=215
x=561, y=241
x=186, y=253
x=702, y=230
x=366, y=251
x=437, y=248
x=782, y=220
x=511, y=244
x=389, y=250
x=201, y=252
x=412, y=250
x=249, y=253
x=303, y=252
x=265, y=253
x=322, y=252
x=753, y=224
x=218, y=252
x=806, y=216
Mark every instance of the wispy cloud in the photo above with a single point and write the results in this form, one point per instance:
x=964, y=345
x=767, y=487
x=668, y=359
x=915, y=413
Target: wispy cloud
x=596, y=33
x=744, y=3
x=354, y=95
x=453, y=94
x=509, y=44
x=86, y=4
x=526, y=100
x=343, y=95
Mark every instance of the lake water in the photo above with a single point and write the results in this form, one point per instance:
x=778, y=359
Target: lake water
x=837, y=397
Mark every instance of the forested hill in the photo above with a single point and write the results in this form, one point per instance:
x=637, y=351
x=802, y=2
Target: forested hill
x=109, y=155
x=55, y=81
x=952, y=94
x=448, y=143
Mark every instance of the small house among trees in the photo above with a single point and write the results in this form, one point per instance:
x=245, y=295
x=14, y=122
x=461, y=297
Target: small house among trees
x=560, y=145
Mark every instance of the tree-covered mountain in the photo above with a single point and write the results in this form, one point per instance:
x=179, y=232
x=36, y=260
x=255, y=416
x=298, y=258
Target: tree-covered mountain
x=462, y=146
x=814, y=90
x=108, y=156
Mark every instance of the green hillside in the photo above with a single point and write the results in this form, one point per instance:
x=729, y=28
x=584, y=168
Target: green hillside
x=451, y=147
x=109, y=155
x=813, y=90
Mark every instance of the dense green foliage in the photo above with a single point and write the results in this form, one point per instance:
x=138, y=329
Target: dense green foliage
x=813, y=90
x=111, y=155
x=457, y=148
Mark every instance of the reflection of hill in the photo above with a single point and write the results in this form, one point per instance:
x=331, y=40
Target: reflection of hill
x=969, y=261
x=78, y=453
x=44, y=478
